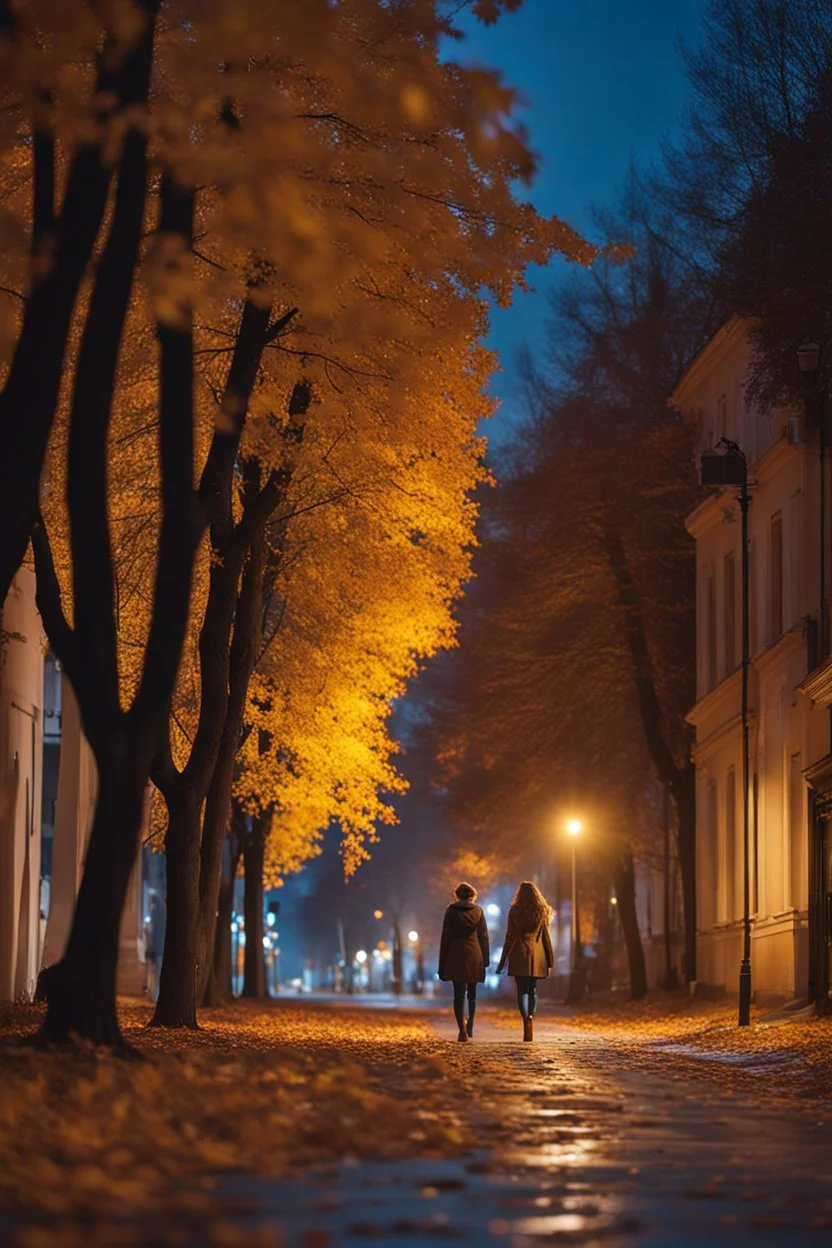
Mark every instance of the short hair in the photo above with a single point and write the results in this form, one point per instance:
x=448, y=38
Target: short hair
x=465, y=892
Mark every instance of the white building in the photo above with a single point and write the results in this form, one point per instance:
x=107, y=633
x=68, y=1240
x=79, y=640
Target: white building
x=788, y=732
x=41, y=734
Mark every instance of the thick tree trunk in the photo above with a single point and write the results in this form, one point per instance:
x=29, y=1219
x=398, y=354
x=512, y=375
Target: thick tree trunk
x=624, y=882
x=219, y=988
x=254, y=967
x=29, y=397
x=176, y=1006
x=81, y=988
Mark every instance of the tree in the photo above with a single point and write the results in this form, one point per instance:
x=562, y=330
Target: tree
x=421, y=199
x=583, y=624
x=223, y=188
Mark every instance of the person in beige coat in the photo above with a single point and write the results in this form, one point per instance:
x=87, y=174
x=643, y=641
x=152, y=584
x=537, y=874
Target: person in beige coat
x=527, y=949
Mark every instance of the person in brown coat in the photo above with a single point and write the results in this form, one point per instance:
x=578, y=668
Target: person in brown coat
x=464, y=953
x=528, y=949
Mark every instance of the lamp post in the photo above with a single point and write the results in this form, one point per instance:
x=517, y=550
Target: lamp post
x=574, y=828
x=730, y=467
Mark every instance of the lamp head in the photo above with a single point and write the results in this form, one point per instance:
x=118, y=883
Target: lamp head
x=808, y=357
x=574, y=827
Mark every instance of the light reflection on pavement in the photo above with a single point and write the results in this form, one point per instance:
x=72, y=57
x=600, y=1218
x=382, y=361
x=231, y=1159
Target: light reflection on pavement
x=577, y=1149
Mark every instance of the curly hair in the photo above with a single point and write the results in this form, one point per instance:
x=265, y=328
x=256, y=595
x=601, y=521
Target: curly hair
x=465, y=892
x=529, y=908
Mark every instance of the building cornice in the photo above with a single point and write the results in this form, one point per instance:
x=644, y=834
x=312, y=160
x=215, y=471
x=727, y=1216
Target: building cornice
x=781, y=649
x=730, y=688
x=774, y=459
x=709, y=513
x=732, y=727
x=708, y=358
x=711, y=701
x=818, y=684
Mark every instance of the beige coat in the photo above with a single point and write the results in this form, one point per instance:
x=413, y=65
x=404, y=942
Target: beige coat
x=527, y=953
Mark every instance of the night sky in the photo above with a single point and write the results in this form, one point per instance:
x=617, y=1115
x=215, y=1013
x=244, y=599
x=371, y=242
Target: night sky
x=603, y=84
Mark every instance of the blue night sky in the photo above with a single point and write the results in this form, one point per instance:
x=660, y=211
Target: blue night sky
x=603, y=84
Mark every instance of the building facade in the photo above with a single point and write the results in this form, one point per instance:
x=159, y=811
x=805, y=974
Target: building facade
x=789, y=731
x=48, y=786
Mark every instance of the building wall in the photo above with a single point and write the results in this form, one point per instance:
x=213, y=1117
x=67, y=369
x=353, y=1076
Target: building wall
x=784, y=727
x=21, y=743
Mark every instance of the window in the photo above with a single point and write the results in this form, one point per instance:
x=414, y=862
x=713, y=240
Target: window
x=710, y=633
x=730, y=889
x=711, y=863
x=775, y=577
x=729, y=619
x=797, y=836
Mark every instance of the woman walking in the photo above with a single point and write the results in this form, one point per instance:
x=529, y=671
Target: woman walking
x=528, y=949
x=463, y=954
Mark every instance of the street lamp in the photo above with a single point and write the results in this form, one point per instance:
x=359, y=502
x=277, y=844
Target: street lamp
x=730, y=467
x=574, y=828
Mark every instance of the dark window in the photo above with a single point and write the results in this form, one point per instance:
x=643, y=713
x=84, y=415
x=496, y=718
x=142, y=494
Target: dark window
x=775, y=599
x=710, y=609
x=729, y=593
x=730, y=846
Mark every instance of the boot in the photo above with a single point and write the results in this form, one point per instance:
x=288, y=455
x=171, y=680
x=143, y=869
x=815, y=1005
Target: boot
x=472, y=1009
x=528, y=1028
x=463, y=1036
x=459, y=1015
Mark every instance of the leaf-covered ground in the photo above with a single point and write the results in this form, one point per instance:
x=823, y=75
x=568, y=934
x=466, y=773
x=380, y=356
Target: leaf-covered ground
x=97, y=1150
x=257, y=1089
x=779, y=1058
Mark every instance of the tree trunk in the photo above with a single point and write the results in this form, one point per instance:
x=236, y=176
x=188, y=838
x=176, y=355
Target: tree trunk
x=29, y=396
x=679, y=779
x=254, y=967
x=219, y=988
x=81, y=988
x=244, y=646
x=624, y=882
x=176, y=1006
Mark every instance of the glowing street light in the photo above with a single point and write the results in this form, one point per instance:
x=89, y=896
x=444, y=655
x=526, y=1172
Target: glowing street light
x=574, y=828
x=361, y=956
x=378, y=914
x=413, y=937
x=492, y=910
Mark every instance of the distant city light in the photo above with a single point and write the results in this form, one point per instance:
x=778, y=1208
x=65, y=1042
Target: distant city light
x=361, y=956
x=492, y=910
x=265, y=942
x=614, y=901
x=413, y=937
x=271, y=919
x=234, y=927
x=378, y=914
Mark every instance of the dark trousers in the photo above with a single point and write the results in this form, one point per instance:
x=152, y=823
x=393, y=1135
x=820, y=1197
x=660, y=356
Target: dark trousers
x=526, y=995
x=461, y=989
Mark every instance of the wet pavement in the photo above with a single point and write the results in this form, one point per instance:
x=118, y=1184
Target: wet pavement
x=576, y=1149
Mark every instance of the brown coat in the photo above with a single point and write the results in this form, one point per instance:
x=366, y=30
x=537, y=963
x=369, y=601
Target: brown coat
x=463, y=949
x=527, y=953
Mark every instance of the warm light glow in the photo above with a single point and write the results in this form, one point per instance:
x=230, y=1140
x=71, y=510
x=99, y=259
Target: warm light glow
x=614, y=901
x=413, y=937
x=492, y=910
x=574, y=827
x=361, y=956
x=378, y=914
